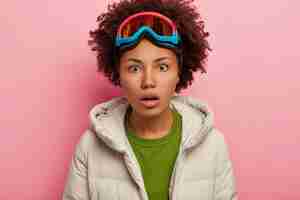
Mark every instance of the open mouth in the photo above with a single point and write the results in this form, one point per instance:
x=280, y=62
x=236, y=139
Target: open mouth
x=149, y=98
x=150, y=101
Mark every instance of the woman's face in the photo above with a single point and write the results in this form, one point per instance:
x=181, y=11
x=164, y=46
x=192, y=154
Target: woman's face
x=150, y=70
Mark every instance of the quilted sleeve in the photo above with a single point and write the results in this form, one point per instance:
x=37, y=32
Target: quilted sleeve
x=225, y=188
x=76, y=186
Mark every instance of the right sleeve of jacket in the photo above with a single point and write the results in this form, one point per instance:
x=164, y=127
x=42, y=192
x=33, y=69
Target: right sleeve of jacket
x=225, y=187
x=76, y=185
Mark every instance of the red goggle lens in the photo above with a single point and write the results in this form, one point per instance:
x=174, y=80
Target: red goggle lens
x=157, y=24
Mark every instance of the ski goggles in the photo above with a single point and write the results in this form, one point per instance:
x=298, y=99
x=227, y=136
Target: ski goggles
x=159, y=27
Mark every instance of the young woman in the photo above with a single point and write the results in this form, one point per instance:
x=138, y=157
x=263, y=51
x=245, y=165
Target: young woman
x=151, y=143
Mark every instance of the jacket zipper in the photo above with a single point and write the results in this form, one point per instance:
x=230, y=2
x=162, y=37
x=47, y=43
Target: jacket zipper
x=127, y=159
x=177, y=171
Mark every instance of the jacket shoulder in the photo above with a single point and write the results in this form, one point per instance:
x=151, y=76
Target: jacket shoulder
x=218, y=136
x=86, y=140
x=225, y=185
x=220, y=142
x=215, y=143
x=222, y=148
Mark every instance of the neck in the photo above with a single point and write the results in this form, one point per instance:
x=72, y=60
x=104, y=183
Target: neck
x=151, y=127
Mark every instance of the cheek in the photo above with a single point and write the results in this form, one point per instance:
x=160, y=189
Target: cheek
x=127, y=81
x=124, y=80
x=129, y=86
x=169, y=82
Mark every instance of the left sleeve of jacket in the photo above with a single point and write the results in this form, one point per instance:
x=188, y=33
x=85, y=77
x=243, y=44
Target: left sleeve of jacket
x=225, y=188
x=76, y=185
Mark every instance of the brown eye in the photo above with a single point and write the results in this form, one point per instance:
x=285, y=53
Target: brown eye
x=164, y=67
x=133, y=68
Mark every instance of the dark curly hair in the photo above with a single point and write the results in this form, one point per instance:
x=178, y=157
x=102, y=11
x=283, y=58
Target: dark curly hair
x=189, y=24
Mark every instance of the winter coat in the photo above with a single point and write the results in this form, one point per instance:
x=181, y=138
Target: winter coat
x=104, y=167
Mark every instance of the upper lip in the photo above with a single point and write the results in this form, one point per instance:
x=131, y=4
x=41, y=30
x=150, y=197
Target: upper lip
x=149, y=96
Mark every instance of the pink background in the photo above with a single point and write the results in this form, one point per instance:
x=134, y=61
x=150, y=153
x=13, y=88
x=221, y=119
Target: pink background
x=48, y=83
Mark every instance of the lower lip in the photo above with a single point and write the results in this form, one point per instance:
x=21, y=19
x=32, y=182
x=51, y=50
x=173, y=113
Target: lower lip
x=150, y=103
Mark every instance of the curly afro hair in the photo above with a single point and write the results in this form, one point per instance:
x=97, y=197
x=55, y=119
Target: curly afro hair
x=190, y=26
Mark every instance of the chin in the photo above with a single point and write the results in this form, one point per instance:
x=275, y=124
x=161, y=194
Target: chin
x=150, y=112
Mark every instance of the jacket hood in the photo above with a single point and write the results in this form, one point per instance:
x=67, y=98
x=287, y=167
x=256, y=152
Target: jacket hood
x=107, y=121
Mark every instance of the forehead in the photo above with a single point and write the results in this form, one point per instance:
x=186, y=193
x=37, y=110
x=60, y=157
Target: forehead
x=146, y=50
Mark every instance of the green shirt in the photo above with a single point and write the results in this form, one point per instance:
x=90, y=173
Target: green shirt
x=156, y=157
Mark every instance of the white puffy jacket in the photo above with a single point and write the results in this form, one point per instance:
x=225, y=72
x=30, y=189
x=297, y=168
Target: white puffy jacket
x=103, y=166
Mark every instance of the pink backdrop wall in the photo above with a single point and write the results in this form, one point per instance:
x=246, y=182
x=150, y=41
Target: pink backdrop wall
x=48, y=83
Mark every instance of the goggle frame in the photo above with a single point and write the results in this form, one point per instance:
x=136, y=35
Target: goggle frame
x=172, y=40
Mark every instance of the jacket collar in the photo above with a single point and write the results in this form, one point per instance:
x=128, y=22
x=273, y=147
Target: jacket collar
x=107, y=121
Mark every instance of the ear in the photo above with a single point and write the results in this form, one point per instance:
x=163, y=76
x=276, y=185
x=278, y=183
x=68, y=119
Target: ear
x=178, y=80
x=119, y=73
x=120, y=82
x=178, y=76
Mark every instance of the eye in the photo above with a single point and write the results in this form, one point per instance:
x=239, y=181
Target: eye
x=133, y=68
x=164, y=67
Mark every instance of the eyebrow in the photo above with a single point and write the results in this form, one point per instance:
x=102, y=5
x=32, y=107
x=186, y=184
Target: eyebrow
x=139, y=61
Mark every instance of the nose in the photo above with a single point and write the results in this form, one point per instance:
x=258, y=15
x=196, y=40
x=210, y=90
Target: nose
x=148, y=79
